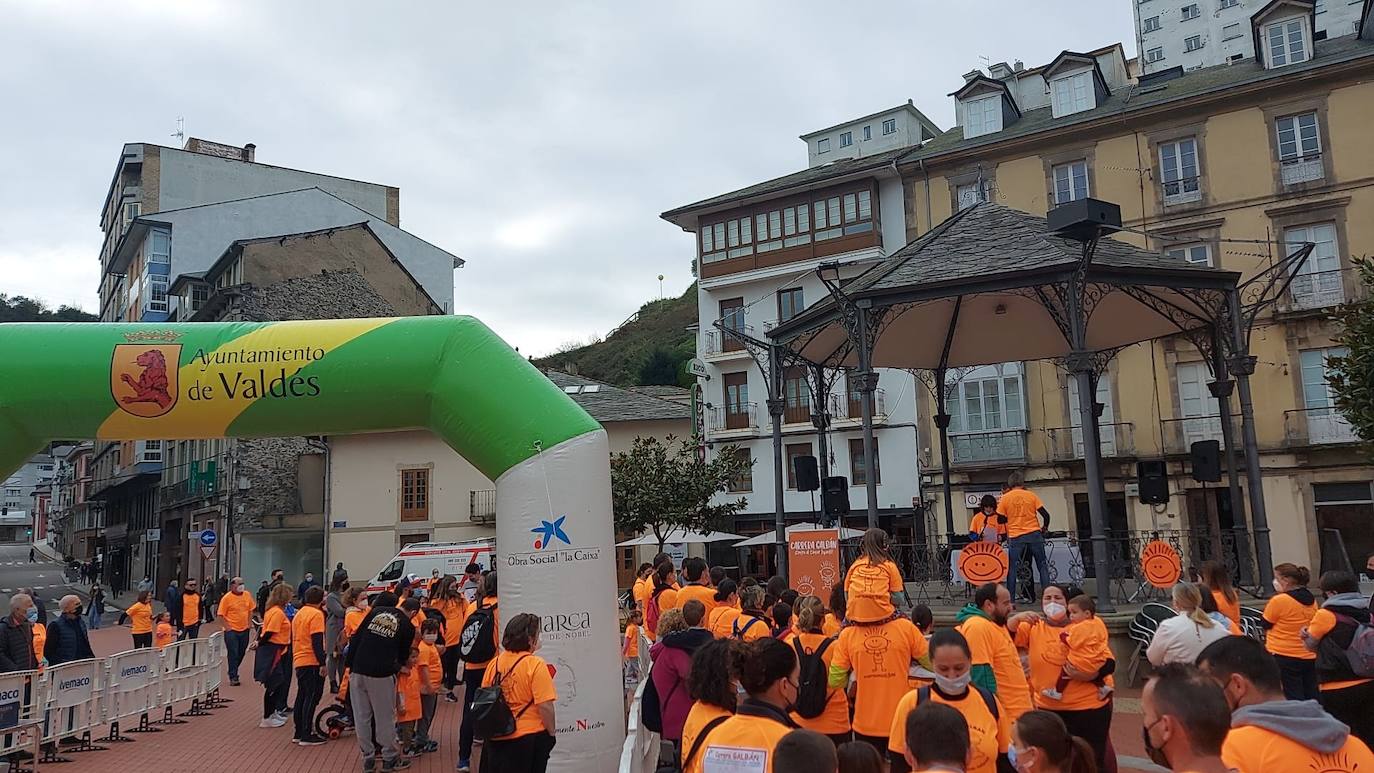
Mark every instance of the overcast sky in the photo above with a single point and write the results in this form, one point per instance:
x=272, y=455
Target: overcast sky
x=539, y=141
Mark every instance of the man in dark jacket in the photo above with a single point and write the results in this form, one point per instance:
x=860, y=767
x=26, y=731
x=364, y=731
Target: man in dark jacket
x=376, y=652
x=37, y=603
x=171, y=601
x=68, y=639
x=1346, y=695
x=16, y=636
x=266, y=590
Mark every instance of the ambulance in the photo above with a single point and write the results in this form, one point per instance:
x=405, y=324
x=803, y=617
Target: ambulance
x=420, y=559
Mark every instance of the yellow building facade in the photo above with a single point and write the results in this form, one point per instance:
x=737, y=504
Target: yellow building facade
x=1234, y=165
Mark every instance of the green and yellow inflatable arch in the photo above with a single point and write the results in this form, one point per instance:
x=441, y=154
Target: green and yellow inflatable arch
x=451, y=375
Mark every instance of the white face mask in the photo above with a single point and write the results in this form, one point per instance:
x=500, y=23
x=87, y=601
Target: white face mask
x=430, y=638
x=953, y=685
x=1278, y=586
x=1055, y=611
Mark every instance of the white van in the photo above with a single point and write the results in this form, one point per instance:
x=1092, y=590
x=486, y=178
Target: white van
x=422, y=558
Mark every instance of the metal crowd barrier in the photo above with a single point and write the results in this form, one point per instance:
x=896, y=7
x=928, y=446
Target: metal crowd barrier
x=641, y=750
x=71, y=702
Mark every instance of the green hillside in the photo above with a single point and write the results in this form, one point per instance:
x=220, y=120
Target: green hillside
x=653, y=348
x=21, y=309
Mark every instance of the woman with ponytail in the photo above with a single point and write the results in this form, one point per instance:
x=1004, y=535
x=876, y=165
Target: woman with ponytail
x=873, y=581
x=1040, y=743
x=1285, y=616
x=720, y=620
x=809, y=639
x=1181, y=639
x=767, y=670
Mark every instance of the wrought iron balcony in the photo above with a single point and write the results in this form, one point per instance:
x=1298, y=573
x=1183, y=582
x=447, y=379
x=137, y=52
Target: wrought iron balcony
x=1116, y=440
x=732, y=418
x=1302, y=170
x=720, y=344
x=1180, y=434
x=797, y=410
x=482, y=506
x=1181, y=191
x=972, y=449
x=1317, y=426
x=1317, y=290
x=849, y=406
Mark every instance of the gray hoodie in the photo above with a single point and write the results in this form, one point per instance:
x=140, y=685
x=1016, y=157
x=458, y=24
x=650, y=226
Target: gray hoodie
x=1303, y=722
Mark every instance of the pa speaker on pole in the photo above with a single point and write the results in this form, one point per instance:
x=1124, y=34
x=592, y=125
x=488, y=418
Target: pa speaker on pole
x=1205, y=456
x=1153, y=478
x=835, y=495
x=807, y=476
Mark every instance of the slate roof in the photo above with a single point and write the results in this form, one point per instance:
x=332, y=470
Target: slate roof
x=675, y=394
x=607, y=403
x=1137, y=97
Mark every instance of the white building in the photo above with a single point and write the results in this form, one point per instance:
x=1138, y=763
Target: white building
x=1192, y=35
x=758, y=249
x=899, y=127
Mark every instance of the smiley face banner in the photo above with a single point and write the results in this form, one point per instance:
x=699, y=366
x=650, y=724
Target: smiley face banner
x=1160, y=564
x=983, y=562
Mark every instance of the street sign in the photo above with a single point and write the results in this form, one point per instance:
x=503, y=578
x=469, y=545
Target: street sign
x=207, y=539
x=698, y=368
x=153, y=535
x=207, y=550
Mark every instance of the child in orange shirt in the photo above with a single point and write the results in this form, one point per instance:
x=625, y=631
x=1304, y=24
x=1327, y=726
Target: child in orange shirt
x=1086, y=638
x=431, y=682
x=871, y=581
x=408, y=708
x=165, y=633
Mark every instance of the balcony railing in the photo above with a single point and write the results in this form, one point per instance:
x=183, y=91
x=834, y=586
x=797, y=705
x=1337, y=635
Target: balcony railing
x=191, y=489
x=1180, y=434
x=1317, y=426
x=732, y=418
x=1116, y=440
x=1181, y=191
x=1316, y=290
x=980, y=448
x=1301, y=170
x=797, y=410
x=482, y=506
x=850, y=407
x=720, y=343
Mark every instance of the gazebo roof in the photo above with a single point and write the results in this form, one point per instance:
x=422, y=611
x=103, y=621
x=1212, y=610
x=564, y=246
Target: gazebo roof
x=999, y=265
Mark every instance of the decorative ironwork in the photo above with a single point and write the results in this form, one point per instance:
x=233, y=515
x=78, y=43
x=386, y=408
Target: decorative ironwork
x=1264, y=290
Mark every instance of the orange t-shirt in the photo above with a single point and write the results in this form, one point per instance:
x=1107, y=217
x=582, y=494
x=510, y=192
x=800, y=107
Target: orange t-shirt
x=1227, y=607
x=1022, y=509
x=1323, y=622
x=40, y=641
x=835, y=718
x=707, y=596
x=434, y=665
x=454, y=612
x=190, y=609
x=747, y=627
x=165, y=635
x=868, y=587
x=140, y=617
x=274, y=622
x=1288, y=617
x=700, y=716
x=352, y=619
x=308, y=622
x=745, y=733
x=830, y=626
x=1088, y=648
x=631, y=641
x=1046, y=655
x=236, y=610
x=991, y=645
x=880, y=657
x=986, y=526
x=721, y=621
x=640, y=591
x=408, y=687
x=988, y=736
x=1251, y=749
x=495, y=631
x=524, y=683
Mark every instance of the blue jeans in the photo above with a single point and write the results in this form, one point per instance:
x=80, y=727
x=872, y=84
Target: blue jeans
x=236, y=642
x=1017, y=547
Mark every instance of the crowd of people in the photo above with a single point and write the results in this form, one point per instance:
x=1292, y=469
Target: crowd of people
x=757, y=674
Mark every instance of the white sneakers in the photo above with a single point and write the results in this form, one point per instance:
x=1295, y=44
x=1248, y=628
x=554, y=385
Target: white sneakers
x=276, y=720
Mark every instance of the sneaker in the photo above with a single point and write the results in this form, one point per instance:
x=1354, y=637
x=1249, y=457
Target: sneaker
x=429, y=747
x=1104, y=691
x=272, y=721
x=369, y=766
x=464, y=766
x=1050, y=692
x=233, y=682
x=278, y=715
x=400, y=763
x=450, y=697
x=311, y=740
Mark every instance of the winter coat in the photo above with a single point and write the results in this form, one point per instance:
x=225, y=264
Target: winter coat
x=672, y=656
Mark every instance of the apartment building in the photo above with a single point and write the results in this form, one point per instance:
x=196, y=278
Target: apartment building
x=183, y=214
x=1192, y=35
x=758, y=249
x=22, y=496
x=71, y=520
x=1271, y=149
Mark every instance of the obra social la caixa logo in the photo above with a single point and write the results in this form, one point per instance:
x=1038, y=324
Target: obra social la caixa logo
x=552, y=545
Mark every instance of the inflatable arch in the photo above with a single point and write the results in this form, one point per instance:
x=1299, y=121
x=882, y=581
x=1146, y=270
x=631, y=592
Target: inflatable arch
x=451, y=375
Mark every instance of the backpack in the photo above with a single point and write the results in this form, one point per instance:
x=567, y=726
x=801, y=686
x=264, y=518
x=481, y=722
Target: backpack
x=433, y=614
x=477, y=643
x=1360, y=653
x=491, y=715
x=650, y=710
x=739, y=632
x=652, y=610
x=923, y=695
x=813, y=684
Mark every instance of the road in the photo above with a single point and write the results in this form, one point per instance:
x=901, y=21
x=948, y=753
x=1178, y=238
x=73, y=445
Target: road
x=46, y=579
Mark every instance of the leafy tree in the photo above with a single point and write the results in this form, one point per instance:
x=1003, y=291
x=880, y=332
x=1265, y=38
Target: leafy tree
x=1352, y=376
x=21, y=309
x=662, y=485
x=662, y=367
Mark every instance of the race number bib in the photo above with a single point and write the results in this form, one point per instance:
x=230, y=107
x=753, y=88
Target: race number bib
x=733, y=759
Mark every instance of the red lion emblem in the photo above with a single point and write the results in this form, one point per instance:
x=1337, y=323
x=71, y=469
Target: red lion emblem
x=152, y=385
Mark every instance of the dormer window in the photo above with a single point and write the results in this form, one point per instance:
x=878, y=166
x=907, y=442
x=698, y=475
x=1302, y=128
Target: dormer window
x=1072, y=93
x=823, y=145
x=983, y=116
x=1286, y=42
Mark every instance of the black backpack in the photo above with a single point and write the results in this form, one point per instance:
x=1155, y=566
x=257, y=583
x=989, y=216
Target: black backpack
x=491, y=715
x=740, y=632
x=477, y=643
x=813, y=685
x=650, y=711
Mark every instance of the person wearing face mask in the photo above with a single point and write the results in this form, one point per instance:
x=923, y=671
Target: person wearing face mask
x=1040, y=743
x=16, y=635
x=1185, y=720
x=236, y=617
x=1285, y=617
x=432, y=661
x=988, y=726
x=188, y=624
x=1268, y=732
x=526, y=682
x=1081, y=706
x=767, y=670
x=140, y=617
x=996, y=664
x=68, y=639
x=1347, y=695
x=880, y=656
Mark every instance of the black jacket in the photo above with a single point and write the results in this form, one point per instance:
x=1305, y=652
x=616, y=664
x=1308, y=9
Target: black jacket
x=68, y=640
x=1332, y=663
x=381, y=644
x=16, y=646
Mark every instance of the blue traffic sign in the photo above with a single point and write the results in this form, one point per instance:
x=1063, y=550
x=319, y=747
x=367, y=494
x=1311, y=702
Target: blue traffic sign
x=207, y=538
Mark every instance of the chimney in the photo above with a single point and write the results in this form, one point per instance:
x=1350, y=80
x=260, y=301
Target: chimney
x=971, y=74
x=1018, y=66
x=1001, y=71
x=249, y=152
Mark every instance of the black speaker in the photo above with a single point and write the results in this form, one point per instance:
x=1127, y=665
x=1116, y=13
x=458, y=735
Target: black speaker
x=1084, y=219
x=835, y=495
x=1153, y=479
x=805, y=472
x=1205, y=456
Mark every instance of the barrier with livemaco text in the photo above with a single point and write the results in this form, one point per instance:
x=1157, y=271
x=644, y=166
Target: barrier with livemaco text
x=20, y=695
x=73, y=698
x=132, y=687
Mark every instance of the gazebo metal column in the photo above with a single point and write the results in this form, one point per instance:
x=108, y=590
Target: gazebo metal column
x=820, y=416
x=942, y=417
x=1221, y=389
x=1243, y=365
x=776, y=405
x=867, y=382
